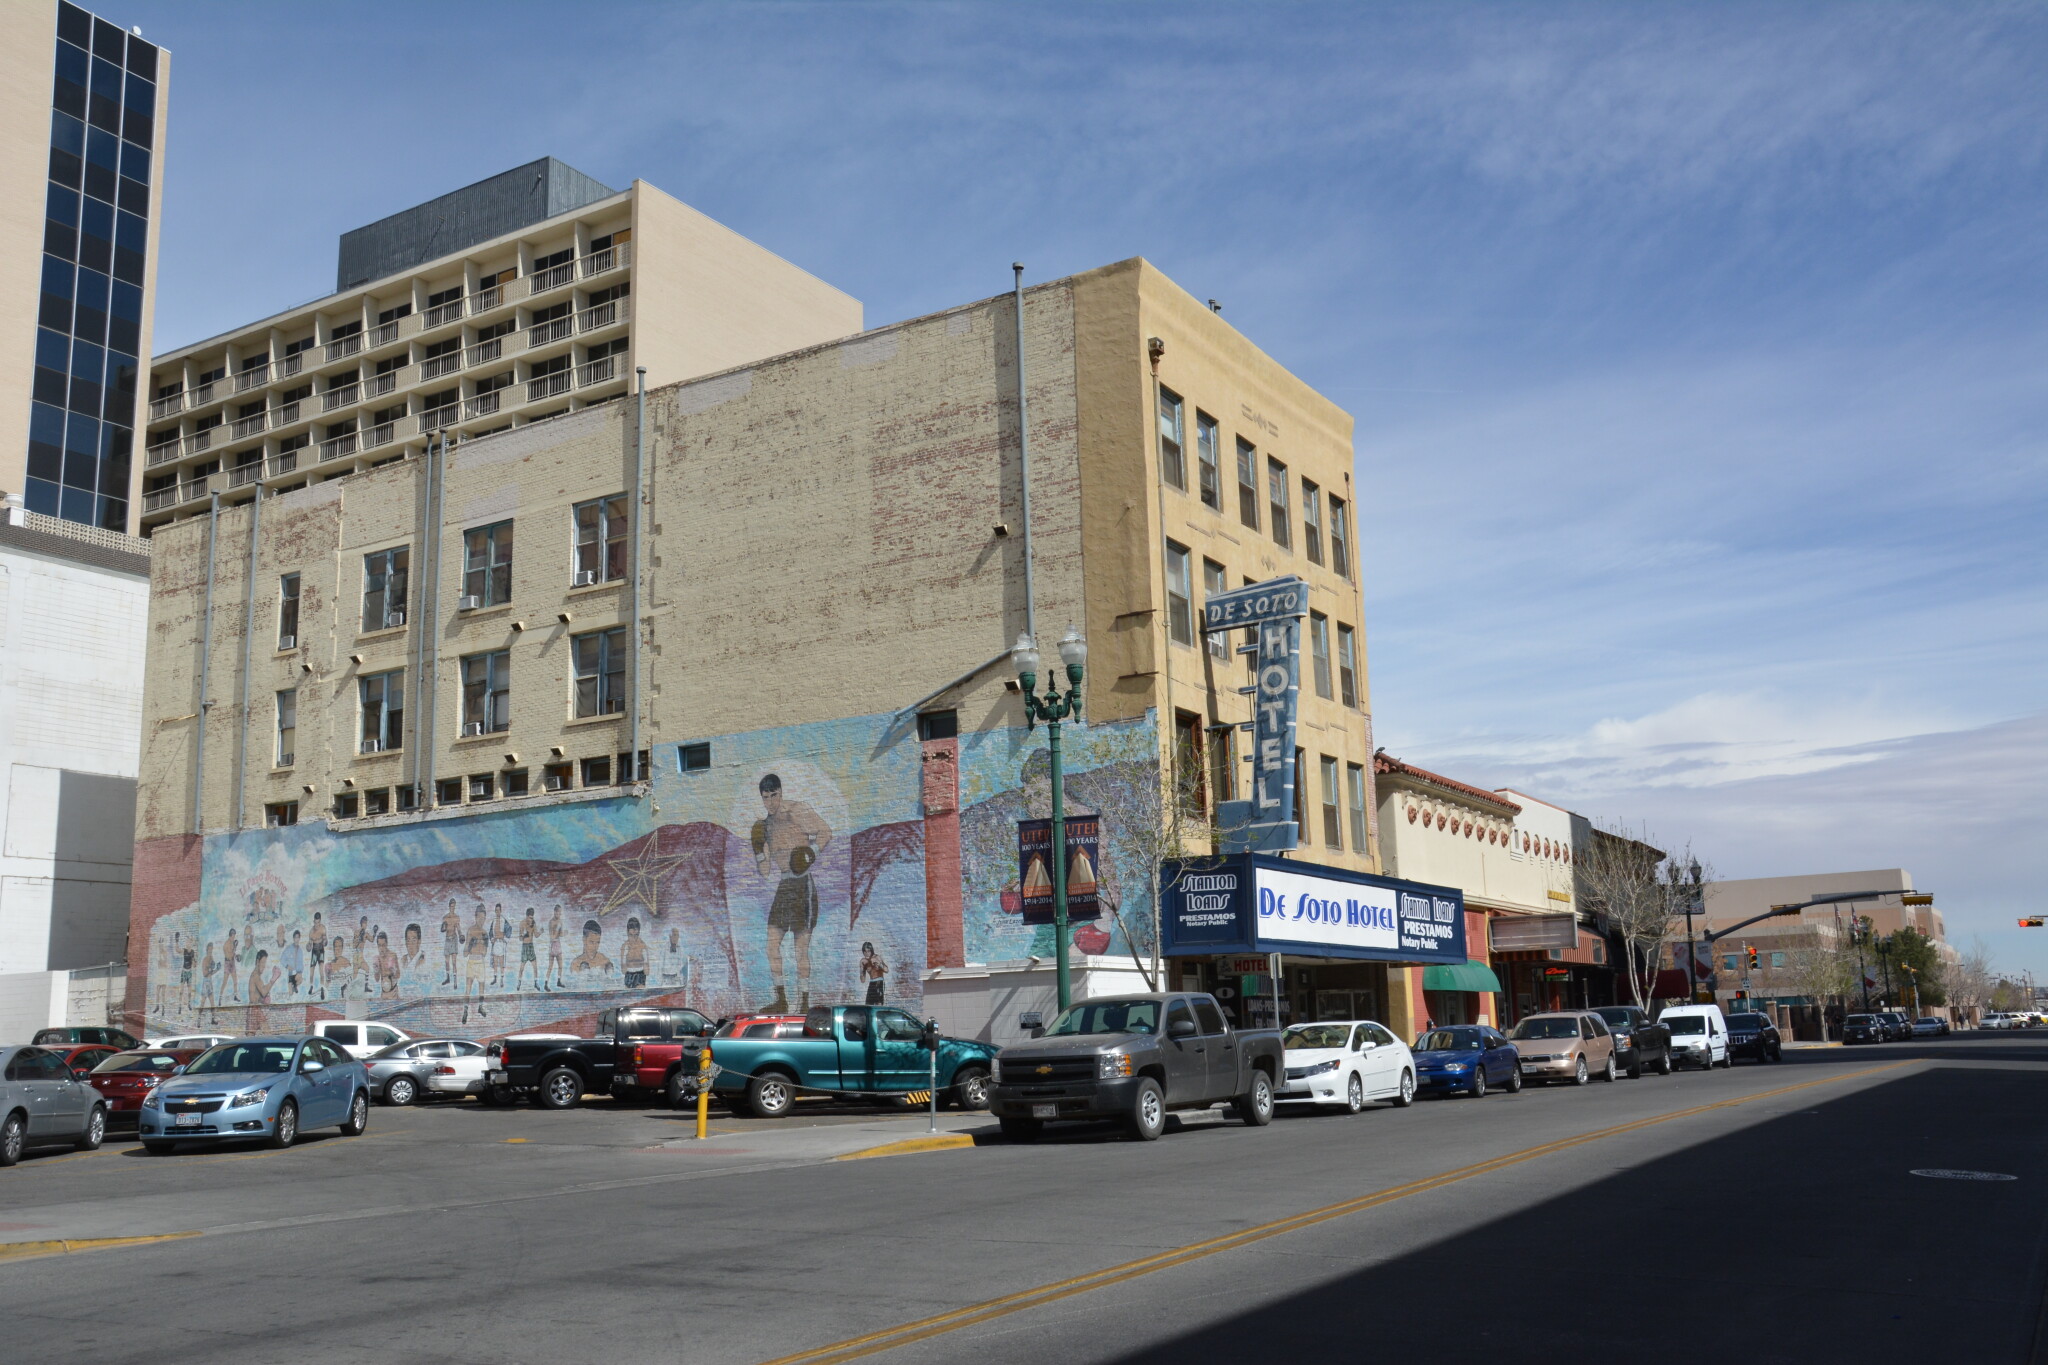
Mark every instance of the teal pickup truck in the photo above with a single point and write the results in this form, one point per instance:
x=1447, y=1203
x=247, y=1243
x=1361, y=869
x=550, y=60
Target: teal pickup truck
x=852, y=1051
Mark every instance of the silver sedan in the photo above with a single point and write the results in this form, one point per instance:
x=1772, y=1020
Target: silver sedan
x=44, y=1103
x=403, y=1072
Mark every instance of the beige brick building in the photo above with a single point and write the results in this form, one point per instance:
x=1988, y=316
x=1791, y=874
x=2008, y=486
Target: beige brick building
x=832, y=753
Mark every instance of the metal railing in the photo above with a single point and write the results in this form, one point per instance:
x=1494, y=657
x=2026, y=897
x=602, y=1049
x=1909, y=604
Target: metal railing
x=249, y=378
x=554, y=329
x=597, y=372
x=283, y=463
x=336, y=447
x=378, y=435
x=345, y=346
x=341, y=397
x=439, y=417
x=199, y=394
x=164, y=407
x=604, y=315
x=483, y=405
x=200, y=440
x=383, y=382
x=611, y=258
x=157, y=499
x=554, y=277
x=291, y=364
x=548, y=385
x=484, y=351
x=196, y=489
x=484, y=300
x=285, y=414
x=163, y=452
x=443, y=313
x=245, y=473
x=250, y=425
x=435, y=366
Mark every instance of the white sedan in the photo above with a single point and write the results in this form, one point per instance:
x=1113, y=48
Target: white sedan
x=1346, y=1064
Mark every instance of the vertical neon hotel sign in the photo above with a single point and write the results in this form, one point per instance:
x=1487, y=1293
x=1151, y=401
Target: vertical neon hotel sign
x=1273, y=611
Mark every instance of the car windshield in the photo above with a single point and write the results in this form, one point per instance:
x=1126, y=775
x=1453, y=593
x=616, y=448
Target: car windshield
x=136, y=1061
x=1304, y=1037
x=1617, y=1018
x=1546, y=1028
x=1861, y=1019
x=237, y=1057
x=1747, y=1021
x=1449, y=1040
x=1686, y=1023
x=1107, y=1016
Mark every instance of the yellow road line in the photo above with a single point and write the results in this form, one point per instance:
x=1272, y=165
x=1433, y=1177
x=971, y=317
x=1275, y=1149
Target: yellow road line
x=909, y=1332
x=23, y=1251
x=909, y=1145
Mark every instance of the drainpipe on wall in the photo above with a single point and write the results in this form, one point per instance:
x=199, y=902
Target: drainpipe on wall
x=248, y=666
x=639, y=554
x=1024, y=456
x=437, y=481
x=205, y=657
x=1155, y=350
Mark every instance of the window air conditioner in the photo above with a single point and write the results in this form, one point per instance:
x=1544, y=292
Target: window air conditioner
x=468, y=603
x=287, y=642
x=583, y=578
x=286, y=760
x=393, y=620
x=472, y=727
x=553, y=783
x=373, y=746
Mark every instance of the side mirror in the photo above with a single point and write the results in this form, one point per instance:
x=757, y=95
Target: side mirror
x=1181, y=1028
x=178, y=1070
x=79, y=1073
x=308, y=1067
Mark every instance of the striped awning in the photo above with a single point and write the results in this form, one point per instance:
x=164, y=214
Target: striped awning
x=1461, y=976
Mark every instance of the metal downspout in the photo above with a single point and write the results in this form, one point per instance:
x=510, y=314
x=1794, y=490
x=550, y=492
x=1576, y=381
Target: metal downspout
x=205, y=657
x=1155, y=349
x=1024, y=457
x=437, y=479
x=633, y=588
x=248, y=667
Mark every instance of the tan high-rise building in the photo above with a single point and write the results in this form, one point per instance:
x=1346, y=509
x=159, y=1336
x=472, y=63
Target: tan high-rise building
x=529, y=295
x=82, y=107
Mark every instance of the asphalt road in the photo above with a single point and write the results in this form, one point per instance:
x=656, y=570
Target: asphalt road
x=1760, y=1214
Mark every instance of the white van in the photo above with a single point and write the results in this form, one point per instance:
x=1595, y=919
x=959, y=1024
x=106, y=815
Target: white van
x=1699, y=1034
x=359, y=1039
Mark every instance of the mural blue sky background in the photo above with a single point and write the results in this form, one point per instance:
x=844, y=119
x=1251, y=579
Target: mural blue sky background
x=1695, y=351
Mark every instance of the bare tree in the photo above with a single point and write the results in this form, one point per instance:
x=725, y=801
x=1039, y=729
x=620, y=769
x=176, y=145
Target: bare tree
x=1641, y=891
x=1822, y=969
x=1971, y=979
x=1146, y=824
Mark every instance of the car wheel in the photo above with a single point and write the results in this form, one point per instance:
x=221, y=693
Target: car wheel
x=771, y=1095
x=1581, y=1075
x=358, y=1116
x=1405, y=1095
x=970, y=1089
x=1478, y=1082
x=1255, y=1106
x=1635, y=1068
x=287, y=1130
x=13, y=1139
x=95, y=1130
x=1148, y=1110
x=495, y=1095
x=1608, y=1074
x=1664, y=1063
x=1515, y=1080
x=401, y=1091
x=1354, y=1093
x=1020, y=1129
x=1777, y=1053
x=561, y=1088
x=679, y=1089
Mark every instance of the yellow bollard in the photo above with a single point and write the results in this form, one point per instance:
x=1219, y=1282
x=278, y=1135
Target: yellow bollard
x=704, y=1089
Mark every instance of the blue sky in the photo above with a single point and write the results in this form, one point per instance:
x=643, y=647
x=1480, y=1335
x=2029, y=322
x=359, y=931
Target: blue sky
x=1697, y=352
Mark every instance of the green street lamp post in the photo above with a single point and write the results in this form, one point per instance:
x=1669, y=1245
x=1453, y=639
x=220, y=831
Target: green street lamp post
x=1052, y=708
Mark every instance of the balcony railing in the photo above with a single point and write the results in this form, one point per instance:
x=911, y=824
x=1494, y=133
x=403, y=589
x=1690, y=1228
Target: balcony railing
x=245, y=473
x=165, y=407
x=484, y=352
x=199, y=395
x=250, y=425
x=284, y=463
x=597, y=372
x=384, y=333
x=483, y=405
x=377, y=385
x=484, y=300
x=345, y=346
x=291, y=364
x=163, y=452
x=197, y=489
x=554, y=277
x=436, y=366
x=285, y=414
x=157, y=499
x=554, y=329
x=436, y=418
x=611, y=258
x=604, y=315
x=248, y=379
x=548, y=385
x=441, y=314
x=341, y=397
x=200, y=440
x=336, y=447
x=380, y=434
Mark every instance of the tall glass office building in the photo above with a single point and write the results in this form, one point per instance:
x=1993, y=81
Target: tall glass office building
x=83, y=143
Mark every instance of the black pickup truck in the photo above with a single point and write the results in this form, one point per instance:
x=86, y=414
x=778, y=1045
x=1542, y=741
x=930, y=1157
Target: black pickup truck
x=1134, y=1057
x=1640, y=1042
x=559, y=1072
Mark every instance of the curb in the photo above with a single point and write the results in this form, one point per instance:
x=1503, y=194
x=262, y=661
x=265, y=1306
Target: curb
x=23, y=1251
x=939, y=1143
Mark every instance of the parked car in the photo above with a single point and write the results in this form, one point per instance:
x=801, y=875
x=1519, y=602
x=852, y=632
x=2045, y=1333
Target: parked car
x=357, y=1038
x=43, y=1103
x=402, y=1073
x=197, y=1042
x=1699, y=1034
x=558, y=1072
x=1566, y=1045
x=1930, y=1026
x=1134, y=1057
x=761, y=1026
x=1344, y=1064
x=258, y=1089
x=1751, y=1034
x=851, y=1052
x=1898, y=1028
x=1862, y=1028
x=1640, y=1042
x=124, y=1078
x=1467, y=1058
x=73, y=1037
x=85, y=1056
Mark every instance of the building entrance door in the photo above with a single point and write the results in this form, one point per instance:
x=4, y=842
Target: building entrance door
x=1347, y=1004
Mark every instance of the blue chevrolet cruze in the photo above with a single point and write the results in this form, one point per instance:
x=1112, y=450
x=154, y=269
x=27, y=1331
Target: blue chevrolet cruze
x=1467, y=1057
x=258, y=1090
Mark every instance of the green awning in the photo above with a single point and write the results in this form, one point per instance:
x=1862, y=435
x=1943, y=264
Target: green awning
x=1463, y=976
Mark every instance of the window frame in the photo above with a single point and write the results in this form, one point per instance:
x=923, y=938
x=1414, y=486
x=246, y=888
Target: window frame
x=1354, y=782
x=1180, y=607
x=1248, y=496
x=487, y=698
x=1215, y=582
x=389, y=722
x=487, y=563
x=380, y=567
x=1277, y=510
x=1209, y=460
x=606, y=680
x=605, y=542
x=1333, y=810
x=1340, y=537
x=1312, y=520
x=1347, y=665
x=1173, y=450
x=286, y=731
x=1319, y=652
x=288, y=587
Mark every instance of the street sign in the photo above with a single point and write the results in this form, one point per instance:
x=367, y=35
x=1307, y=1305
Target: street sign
x=1272, y=610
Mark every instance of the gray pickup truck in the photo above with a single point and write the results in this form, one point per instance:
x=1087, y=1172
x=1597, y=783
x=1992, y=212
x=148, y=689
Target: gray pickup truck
x=1134, y=1057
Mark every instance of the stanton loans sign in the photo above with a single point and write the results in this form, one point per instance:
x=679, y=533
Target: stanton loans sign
x=1253, y=903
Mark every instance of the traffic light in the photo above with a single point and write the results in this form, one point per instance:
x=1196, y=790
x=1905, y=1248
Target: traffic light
x=2032, y=921
x=1752, y=956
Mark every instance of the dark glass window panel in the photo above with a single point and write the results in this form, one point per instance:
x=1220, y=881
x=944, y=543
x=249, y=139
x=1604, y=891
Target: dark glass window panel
x=92, y=289
x=114, y=514
x=59, y=240
x=68, y=97
x=74, y=25
x=78, y=505
x=82, y=437
x=106, y=79
x=88, y=361
x=139, y=127
x=131, y=232
x=104, y=115
x=45, y=442
x=55, y=311
x=103, y=108
x=95, y=253
x=53, y=350
x=102, y=149
x=100, y=182
x=122, y=372
x=52, y=386
x=42, y=496
x=134, y=195
x=142, y=58
x=88, y=323
x=128, y=265
x=107, y=40
x=97, y=218
x=124, y=334
x=66, y=168
x=61, y=205
x=86, y=396
x=67, y=134
x=135, y=162
x=82, y=469
x=139, y=95
x=58, y=278
x=117, y=447
x=127, y=303
x=73, y=64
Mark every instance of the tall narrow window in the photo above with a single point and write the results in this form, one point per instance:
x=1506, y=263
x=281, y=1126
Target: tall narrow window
x=1209, y=460
x=383, y=706
x=1301, y=791
x=1223, y=761
x=600, y=540
x=487, y=564
x=1319, y=648
x=384, y=574
x=1247, y=483
x=288, y=611
x=600, y=659
x=1215, y=584
x=487, y=692
x=1347, y=664
x=1276, y=501
x=1180, y=596
x=1340, y=536
x=1187, y=763
x=1172, y=458
x=1312, y=521
x=1333, y=833
x=287, y=727
x=1354, y=788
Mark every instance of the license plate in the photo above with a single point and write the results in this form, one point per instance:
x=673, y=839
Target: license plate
x=498, y=1078
x=188, y=1120
x=1045, y=1111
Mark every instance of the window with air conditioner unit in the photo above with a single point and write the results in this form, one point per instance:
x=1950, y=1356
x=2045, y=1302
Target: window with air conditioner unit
x=472, y=727
x=487, y=692
x=382, y=698
x=287, y=727
x=468, y=602
x=288, y=611
x=556, y=777
x=600, y=540
x=384, y=587
x=599, y=658
x=487, y=566
x=582, y=578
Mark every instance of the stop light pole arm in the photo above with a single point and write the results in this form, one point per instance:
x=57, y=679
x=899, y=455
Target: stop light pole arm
x=1714, y=936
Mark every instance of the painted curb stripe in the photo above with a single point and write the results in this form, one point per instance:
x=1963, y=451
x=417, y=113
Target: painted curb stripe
x=24, y=1251
x=909, y=1145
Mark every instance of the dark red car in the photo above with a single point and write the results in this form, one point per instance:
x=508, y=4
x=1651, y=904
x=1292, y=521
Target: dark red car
x=125, y=1077
x=84, y=1056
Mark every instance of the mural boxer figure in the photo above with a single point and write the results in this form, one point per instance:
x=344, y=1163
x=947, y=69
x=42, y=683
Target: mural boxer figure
x=554, y=969
x=262, y=977
x=474, y=947
x=186, y=957
x=231, y=966
x=293, y=956
x=592, y=959
x=500, y=931
x=672, y=961
x=874, y=971
x=787, y=842
x=316, y=956
x=528, y=932
x=208, y=970
x=451, y=943
x=633, y=957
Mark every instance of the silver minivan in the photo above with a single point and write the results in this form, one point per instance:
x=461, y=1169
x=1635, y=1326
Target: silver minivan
x=44, y=1104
